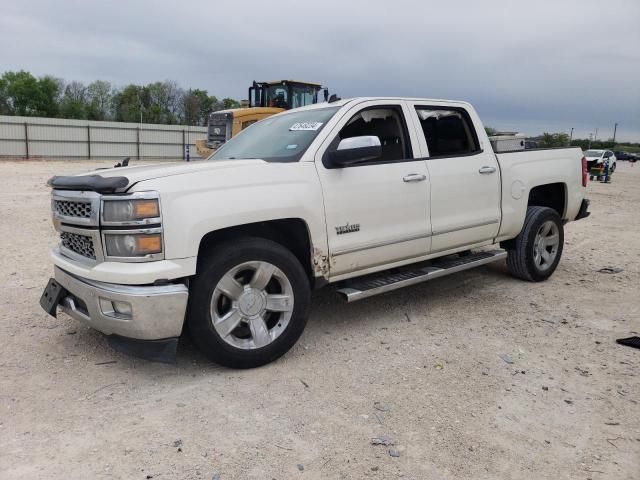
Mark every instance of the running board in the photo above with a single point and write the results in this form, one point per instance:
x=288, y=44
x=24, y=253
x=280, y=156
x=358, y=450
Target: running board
x=376, y=284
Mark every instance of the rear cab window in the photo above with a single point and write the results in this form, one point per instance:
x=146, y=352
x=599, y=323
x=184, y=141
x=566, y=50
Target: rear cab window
x=448, y=131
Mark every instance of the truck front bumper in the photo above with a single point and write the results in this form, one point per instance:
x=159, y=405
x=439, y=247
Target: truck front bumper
x=132, y=316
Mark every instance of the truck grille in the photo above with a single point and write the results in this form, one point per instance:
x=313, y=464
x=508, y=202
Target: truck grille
x=72, y=209
x=80, y=244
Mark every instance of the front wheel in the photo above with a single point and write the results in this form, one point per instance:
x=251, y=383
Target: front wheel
x=249, y=303
x=538, y=247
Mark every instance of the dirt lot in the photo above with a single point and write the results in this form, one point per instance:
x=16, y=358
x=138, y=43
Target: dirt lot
x=567, y=407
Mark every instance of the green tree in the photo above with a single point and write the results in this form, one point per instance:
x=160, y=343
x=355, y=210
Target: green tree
x=74, y=101
x=5, y=107
x=21, y=92
x=99, y=98
x=230, y=103
x=128, y=104
x=197, y=105
x=159, y=102
x=550, y=140
x=49, y=89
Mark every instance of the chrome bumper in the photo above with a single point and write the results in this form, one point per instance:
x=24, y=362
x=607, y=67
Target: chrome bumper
x=139, y=312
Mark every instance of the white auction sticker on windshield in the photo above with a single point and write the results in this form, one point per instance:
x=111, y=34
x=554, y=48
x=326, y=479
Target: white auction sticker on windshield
x=309, y=126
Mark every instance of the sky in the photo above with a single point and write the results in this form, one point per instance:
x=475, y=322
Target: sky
x=529, y=66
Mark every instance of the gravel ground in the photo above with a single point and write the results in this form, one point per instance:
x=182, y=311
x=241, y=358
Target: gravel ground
x=421, y=368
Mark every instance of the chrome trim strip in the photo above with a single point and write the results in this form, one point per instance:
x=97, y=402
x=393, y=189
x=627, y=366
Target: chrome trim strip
x=464, y=227
x=384, y=243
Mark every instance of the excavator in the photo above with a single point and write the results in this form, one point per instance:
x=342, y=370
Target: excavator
x=265, y=99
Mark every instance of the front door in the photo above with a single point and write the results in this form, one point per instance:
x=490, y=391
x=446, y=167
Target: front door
x=465, y=176
x=376, y=212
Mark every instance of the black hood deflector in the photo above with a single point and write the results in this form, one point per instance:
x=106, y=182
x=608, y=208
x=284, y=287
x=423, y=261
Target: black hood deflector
x=92, y=183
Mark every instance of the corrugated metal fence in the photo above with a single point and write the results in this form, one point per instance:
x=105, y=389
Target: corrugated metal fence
x=35, y=137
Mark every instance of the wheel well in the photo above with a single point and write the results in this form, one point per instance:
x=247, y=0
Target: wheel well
x=552, y=195
x=291, y=233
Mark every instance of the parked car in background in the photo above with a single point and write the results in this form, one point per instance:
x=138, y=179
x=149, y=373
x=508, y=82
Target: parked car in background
x=596, y=158
x=623, y=155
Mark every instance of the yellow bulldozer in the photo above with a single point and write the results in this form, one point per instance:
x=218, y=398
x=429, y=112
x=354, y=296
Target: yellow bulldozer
x=265, y=99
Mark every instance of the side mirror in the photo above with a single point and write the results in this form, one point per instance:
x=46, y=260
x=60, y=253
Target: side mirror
x=356, y=150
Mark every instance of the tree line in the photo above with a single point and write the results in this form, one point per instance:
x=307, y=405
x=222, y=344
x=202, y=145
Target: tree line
x=21, y=93
x=550, y=140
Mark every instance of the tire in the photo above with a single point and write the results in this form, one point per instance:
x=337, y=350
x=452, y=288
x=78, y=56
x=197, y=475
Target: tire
x=613, y=168
x=214, y=297
x=527, y=259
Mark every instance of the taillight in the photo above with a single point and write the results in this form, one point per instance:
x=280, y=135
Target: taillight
x=585, y=174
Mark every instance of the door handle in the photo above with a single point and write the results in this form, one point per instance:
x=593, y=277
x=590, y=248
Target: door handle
x=414, y=177
x=485, y=170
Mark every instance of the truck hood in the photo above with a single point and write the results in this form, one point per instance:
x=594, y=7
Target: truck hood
x=139, y=173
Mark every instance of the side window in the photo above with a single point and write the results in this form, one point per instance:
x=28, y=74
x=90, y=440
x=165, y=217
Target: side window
x=447, y=131
x=386, y=123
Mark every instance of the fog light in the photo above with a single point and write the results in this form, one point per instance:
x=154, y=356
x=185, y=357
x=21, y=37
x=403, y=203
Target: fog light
x=115, y=308
x=122, y=308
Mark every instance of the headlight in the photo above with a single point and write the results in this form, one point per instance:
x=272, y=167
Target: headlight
x=133, y=244
x=130, y=210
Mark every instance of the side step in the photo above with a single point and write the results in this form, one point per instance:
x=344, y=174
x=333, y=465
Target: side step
x=376, y=284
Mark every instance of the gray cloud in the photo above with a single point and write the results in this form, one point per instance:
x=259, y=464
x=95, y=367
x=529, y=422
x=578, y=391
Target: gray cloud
x=530, y=66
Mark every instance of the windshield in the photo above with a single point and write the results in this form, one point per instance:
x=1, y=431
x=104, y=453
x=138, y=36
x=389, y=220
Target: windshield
x=281, y=138
x=593, y=153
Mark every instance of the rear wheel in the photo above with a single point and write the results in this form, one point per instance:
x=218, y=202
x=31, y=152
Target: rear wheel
x=249, y=303
x=538, y=247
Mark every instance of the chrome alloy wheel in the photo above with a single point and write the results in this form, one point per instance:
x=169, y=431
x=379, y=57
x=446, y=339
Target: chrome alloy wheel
x=252, y=305
x=545, y=245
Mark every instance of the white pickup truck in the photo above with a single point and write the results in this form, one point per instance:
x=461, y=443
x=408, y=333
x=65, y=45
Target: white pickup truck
x=366, y=194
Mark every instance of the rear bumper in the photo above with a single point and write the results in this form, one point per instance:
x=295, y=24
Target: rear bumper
x=135, y=312
x=584, y=207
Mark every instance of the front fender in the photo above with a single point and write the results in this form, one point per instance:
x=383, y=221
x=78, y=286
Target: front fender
x=194, y=205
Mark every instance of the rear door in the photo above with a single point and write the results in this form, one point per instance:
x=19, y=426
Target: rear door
x=465, y=175
x=377, y=212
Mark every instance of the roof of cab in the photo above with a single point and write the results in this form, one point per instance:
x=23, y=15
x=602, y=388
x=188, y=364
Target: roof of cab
x=278, y=82
x=356, y=100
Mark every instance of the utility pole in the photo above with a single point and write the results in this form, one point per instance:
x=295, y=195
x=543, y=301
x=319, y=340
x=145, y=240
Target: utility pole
x=615, y=127
x=571, y=136
x=595, y=137
x=590, y=138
